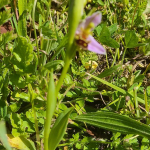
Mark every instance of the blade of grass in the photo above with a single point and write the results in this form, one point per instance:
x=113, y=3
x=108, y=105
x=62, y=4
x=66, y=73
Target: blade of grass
x=116, y=88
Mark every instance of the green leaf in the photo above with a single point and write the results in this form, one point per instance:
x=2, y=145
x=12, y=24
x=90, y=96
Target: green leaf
x=3, y=137
x=22, y=5
x=51, y=106
x=3, y=3
x=100, y=2
x=68, y=80
x=140, y=78
x=131, y=40
x=113, y=28
x=22, y=24
x=7, y=37
x=54, y=64
x=147, y=10
x=21, y=143
x=15, y=106
x=117, y=88
x=15, y=120
x=62, y=44
x=109, y=71
x=145, y=49
x=109, y=84
x=4, y=16
x=46, y=30
x=30, y=5
x=105, y=38
x=24, y=53
x=3, y=109
x=115, y=122
x=58, y=129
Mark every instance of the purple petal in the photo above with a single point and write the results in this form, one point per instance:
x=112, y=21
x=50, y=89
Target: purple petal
x=94, y=46
x=95, y=18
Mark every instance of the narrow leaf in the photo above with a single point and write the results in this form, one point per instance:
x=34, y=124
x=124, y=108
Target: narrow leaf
x=54, y=64
x=51, y=106
x=3, y=137
x=58, y=129
x=117, y=88
x=109, y=71
x=109, y=84
x=116, y=123
x=22, y=24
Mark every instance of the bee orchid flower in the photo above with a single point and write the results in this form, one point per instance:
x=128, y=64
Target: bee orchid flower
x=83, y=35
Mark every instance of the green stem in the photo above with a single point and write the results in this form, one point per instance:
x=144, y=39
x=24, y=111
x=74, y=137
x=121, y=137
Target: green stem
x=49, y=10
x=124, y=54
x=36, y=127
x=136, y=102
x=63, y=74
x=118, y=104
x=114, y=60
x=69, y=55
x=47, y=127
x=33, y=22
x=134, y=13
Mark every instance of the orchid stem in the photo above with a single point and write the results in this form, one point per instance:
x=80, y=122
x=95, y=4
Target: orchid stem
x=63, y=74
x=70, y=53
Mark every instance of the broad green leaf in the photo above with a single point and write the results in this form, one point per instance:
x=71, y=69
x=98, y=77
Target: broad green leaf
x=54, y=64
x=7, y=37
x=113, y=28
x=58, y=129
x=68, y=80
x=24, y=50
x=46, y=30
x=109, y=71
x=15, y=106
x=51, y=106
x=105, y=38
x=21, y=143
x=3, y=137
x=116, y=123
x=4, y=16
x=131, y=40
x=3, y=3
